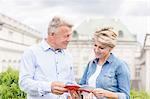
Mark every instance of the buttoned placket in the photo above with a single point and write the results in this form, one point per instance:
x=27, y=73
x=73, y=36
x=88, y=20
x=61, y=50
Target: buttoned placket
x=56, y=63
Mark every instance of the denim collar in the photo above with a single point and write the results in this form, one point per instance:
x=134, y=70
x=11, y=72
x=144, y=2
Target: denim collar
x=109, y=60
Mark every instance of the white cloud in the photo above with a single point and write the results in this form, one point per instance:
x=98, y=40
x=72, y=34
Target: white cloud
x=38, y=13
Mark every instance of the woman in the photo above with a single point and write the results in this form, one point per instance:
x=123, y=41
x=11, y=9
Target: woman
x=109, y=75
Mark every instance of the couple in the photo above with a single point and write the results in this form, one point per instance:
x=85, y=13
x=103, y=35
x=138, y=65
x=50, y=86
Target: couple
x=47, y=67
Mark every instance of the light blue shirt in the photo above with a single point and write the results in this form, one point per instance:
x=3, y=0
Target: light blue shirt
x=114, y=76
x=41, y=65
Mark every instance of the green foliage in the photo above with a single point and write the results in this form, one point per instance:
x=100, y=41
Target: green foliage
x=139, y=95
x=9, y=88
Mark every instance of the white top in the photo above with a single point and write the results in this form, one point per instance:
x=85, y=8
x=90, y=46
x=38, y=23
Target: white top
x=92, y=79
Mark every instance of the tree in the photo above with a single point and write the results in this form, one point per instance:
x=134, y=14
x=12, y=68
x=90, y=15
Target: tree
x=9, y=88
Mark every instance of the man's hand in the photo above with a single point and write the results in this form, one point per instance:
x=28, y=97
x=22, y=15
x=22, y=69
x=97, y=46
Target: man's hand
x=58, y=88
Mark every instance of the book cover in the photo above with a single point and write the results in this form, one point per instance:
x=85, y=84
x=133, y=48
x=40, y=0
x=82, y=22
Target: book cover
x=81, y=88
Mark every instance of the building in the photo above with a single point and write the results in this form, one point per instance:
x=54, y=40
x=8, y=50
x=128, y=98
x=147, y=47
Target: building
x=81, y=46
x=143, y=65
x=15, y=37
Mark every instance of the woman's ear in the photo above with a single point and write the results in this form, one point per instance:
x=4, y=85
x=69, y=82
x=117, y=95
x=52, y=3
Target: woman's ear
x=110, y=49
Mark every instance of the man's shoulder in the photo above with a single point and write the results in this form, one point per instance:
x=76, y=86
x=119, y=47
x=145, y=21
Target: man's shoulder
x=33, y=48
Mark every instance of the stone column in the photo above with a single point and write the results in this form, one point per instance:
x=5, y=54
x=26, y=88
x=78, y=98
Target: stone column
x=148, y=70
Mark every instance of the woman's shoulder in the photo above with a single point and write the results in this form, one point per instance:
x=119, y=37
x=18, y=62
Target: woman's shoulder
x=120, y=63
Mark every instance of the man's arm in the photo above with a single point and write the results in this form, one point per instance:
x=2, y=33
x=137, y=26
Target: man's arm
x=26, y=76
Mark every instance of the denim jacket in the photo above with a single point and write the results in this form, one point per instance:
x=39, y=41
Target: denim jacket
x=114, y=76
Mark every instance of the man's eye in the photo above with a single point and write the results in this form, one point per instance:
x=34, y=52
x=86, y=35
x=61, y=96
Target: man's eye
x=68, y=35
x=95, y=45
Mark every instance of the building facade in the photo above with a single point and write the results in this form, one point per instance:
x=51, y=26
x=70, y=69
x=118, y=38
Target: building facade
x=143, y=65
x=15, y=37
x=81, y=46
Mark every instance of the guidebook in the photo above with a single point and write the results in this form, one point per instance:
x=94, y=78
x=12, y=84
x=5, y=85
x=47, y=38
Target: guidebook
x=81, y=88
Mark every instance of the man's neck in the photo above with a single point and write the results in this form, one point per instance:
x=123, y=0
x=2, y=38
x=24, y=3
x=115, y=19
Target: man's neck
x=51, y=44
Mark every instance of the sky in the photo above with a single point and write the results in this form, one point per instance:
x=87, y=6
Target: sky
x=135, y=14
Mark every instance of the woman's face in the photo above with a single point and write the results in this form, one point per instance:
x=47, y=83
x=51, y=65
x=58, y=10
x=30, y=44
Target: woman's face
x=101, y=51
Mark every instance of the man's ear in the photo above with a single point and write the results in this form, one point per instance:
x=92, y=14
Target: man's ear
x=51, y=34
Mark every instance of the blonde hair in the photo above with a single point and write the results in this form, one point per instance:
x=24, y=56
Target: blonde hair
x=107, y=36
x=57, y=22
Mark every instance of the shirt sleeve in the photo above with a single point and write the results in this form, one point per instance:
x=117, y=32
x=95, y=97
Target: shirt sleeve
x=123, y=76
x=26, y=76
x=122, y=96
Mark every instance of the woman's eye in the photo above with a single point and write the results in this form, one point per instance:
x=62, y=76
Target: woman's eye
x=101, y=48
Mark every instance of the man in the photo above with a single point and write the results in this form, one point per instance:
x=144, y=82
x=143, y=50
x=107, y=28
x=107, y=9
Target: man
x=46, y=67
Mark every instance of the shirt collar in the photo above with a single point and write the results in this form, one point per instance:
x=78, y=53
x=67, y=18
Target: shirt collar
x=110, y=58
x=45, y=46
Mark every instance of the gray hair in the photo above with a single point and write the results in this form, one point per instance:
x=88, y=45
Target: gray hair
x=57, y=22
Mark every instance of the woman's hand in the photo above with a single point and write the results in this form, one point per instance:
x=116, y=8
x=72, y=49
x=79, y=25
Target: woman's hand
x=88, y=96
x=99, y=92
x=74, y=94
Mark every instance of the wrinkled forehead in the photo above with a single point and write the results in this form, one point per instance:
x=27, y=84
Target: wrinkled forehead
x=64, y=30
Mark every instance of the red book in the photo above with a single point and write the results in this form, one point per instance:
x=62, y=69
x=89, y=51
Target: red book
x=81, y=88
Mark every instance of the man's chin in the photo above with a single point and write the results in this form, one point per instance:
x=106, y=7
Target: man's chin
x=64, y=47
x=98, y=57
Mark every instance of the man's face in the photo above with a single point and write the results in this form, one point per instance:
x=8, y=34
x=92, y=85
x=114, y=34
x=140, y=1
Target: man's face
x=62, y=37
x=100, y=50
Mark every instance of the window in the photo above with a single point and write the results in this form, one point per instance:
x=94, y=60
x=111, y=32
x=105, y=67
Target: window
x=75, y=34
x=120, y=33
x=3, y=60
x=1, y=26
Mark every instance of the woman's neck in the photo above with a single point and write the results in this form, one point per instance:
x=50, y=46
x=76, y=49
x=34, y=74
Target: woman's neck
x=103, y=60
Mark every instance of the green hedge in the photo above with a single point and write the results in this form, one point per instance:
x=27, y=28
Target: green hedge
x=9, y=88
x=139, y=95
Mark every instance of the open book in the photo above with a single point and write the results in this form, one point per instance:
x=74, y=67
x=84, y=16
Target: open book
x=81, y=88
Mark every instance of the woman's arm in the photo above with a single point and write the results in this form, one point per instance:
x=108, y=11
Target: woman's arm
x=101, y=93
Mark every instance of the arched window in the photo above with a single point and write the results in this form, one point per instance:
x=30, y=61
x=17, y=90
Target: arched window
x=1, y=25
x=75, y=34
x=121, y=34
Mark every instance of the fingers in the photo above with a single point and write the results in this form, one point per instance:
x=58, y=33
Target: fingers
x=88, y=96
x=58, y=88
x=99, y=93
x=74, y=94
